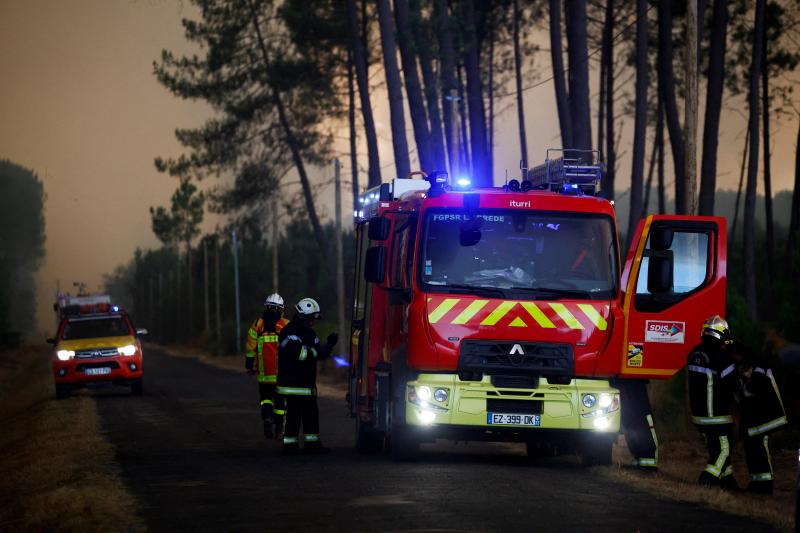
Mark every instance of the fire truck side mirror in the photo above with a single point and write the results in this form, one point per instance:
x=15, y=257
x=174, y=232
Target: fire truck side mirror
x=378, y=228
x=659, y=272
x=375, y=267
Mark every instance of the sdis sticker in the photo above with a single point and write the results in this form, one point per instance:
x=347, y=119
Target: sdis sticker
x=665, y=331
x=635, y=354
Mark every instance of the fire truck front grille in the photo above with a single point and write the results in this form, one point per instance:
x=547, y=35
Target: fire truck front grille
x=96, y=352
x=516, y=358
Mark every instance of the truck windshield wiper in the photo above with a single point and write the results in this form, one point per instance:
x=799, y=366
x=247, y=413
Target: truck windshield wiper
x=477, y=290
x=555, y=294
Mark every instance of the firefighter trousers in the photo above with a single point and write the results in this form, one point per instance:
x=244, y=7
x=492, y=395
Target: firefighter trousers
x=759, y=462
x=637, y=422
x=301, y=410
x=719, y=442
x=272, y=404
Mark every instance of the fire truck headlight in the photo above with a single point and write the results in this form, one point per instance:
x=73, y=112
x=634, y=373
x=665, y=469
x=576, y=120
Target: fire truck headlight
x=424, y=393
x=589, y=400
x=65, y=355
x=128, y=350
x=427, y=417
x=440, y=395
x=605, y=400
x=601, y=422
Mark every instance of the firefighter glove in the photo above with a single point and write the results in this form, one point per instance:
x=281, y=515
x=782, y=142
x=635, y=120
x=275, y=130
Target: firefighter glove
x=333, y=338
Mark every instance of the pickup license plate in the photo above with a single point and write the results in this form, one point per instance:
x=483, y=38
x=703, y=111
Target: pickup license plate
x=511, y=419
x=97, y=371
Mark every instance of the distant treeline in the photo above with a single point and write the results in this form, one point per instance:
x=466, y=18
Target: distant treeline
x=21, y=248
x=155, y=285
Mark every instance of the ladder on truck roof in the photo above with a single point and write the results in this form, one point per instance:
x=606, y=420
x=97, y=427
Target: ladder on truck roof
x=576, y=170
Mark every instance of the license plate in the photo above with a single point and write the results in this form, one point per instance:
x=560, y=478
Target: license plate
x=511, y=419
x=97, y=371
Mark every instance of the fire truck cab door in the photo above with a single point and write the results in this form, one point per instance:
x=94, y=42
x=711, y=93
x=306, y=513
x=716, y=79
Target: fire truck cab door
x=674, y=278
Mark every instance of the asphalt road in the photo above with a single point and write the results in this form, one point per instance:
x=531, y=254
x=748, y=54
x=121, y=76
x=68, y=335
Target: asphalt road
x=192, y=452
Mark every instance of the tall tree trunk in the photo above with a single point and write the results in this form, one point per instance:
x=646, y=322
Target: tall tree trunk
x=666, y=86
x=360, y=59
x=767, y=166
x=714, y=89
x=466, y=160
x=523, y=140
x=190, y=292
x=423, y=46
x=577, y=52
x=416, y=104
x=290, y=138
x=611, y=150
x=557, y=59
x=447, y=69
x=752, y=168
x=794, y=220
x=490, y=97
x=481, y=174
x=395, y=90
x=651, y=171
x=351, y=119
x=662, y=193
x=741, y=185
x=690, y=107
x=640, y=116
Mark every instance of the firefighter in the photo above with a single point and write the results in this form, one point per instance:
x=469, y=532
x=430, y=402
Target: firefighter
x=637, y=423
x=299, y=350
x=261, y=358
x=762, y=413
x=710, y=399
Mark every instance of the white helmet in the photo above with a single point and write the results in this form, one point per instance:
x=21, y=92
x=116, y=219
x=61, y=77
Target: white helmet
x=307, y=307
x=274, y=300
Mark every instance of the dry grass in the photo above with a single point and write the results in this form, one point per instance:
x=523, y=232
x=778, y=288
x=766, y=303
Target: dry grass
x=57, y=471
x=682, y=456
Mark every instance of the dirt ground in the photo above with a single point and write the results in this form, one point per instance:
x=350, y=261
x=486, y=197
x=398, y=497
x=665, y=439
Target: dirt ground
x=57, y=469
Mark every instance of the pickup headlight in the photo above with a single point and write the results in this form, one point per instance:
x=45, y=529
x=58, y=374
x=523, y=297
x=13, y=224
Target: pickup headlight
x=128, y=350
x=65, y=355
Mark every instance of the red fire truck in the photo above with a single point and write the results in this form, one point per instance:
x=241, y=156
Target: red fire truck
x=503, y=313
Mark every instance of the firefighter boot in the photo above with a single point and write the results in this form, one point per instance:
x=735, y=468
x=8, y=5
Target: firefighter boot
x=759, y=487
x=291, y=448
x=315, y=447
x=728, y=483
x=269, y=432
x=708, y=480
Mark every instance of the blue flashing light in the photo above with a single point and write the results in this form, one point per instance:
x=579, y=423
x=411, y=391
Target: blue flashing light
x=340, y=361
x=571, y=188
x=115, y=308
x=463, y=182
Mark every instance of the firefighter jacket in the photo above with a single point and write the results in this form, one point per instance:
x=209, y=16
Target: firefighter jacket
x=266, y=360
x=710, y=384
x=760, y=403
x=299, y=350
x=255, y=331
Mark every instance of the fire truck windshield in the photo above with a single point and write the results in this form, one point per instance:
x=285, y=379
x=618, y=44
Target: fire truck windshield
x=89, y=328
x=520, y=254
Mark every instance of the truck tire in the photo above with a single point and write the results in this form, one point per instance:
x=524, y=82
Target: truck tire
x=368, y=440
x=595, y=451
x=405, y=447
x=62, y=392
x=137, y=387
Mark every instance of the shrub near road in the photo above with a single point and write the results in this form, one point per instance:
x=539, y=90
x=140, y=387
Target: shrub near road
x=57, y=471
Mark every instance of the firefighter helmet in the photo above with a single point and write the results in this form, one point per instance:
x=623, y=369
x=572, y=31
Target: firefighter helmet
x=274, y=300
x=308, y=307
x=716, y=327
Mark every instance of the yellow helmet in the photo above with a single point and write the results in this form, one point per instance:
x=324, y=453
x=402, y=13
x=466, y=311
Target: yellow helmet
x=716, y=327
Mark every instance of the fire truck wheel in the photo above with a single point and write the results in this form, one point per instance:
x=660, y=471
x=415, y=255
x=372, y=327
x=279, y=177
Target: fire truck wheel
x=405, y=447
x=62, y=392
x=595, y=451
x=137, y=387
x=367, y=439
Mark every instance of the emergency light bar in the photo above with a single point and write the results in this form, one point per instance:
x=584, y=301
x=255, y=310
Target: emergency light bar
x=575, y=172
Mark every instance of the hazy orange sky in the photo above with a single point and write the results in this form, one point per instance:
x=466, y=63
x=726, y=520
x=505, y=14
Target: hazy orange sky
x=80, y=106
